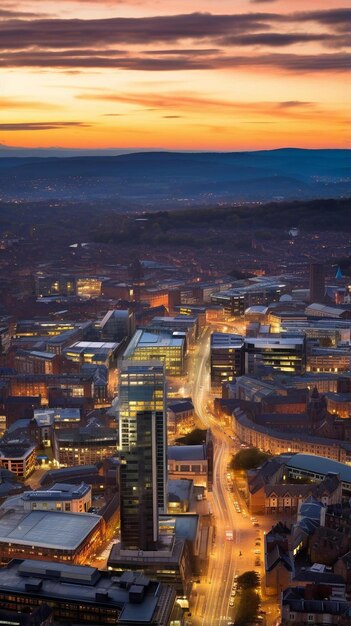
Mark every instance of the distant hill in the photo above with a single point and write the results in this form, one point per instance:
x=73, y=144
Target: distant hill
x=172, y=179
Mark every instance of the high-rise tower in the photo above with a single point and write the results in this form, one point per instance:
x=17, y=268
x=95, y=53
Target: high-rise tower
x=138, y=486
x=142, y=388
x=317, y=282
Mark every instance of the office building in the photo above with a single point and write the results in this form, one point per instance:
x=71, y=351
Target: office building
x=41, y=362
x=317, y=282
x=85, y=595
x=118, y=324
x=69, y=386
x=6, y=330
x=328, y=332
x=180, y=416
x=48, y=285
x=257, y=292
x=93, y=352
x=18, y=456
x=181, y=323
x=48, y=536
x=328, y=360
x=138, y=486
x=88, y=287
x=193, y=311
x=41, y=616
x=42, y=328
x=85, y=445
x=142, y=389
x=167, y=347
x=60, y=497
x=321, y=311
x=233, y=302
x=189, y=462
x=58, y=417
x=227, y=358
x=281, y=352
x=171, y=563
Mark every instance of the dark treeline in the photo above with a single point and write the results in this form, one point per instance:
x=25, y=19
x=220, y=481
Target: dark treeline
x=200, y=227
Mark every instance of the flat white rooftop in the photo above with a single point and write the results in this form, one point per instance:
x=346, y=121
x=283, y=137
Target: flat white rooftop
x=60, y=531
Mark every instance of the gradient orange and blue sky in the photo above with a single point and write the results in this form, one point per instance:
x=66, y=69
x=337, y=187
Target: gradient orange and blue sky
x=192, y=74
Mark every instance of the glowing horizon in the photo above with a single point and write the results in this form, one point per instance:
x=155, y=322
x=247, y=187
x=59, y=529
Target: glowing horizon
x=115, y=74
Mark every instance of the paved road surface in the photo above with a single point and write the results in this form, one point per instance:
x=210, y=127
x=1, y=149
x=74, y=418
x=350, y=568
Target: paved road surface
x=211, y=604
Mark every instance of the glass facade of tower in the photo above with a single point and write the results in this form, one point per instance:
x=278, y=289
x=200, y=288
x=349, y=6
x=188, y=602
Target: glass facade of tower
x=138, y=486
x=167, y=347
x=143, y=388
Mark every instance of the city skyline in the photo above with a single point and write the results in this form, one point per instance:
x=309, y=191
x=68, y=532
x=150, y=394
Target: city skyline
x=199, y=76
x=175, y=312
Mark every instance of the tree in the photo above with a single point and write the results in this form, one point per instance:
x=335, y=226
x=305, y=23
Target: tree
x=248, y=580
x=249, y=458
x=248, y=607
x=194, y=438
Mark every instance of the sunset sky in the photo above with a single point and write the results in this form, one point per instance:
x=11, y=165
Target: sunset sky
x=175, y=74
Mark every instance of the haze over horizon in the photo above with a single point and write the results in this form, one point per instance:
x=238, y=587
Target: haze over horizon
x=174, y=76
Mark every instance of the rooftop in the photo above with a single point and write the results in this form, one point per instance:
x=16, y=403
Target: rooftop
x=242, y=418
x=94, y=345
x=179, y=490
x=46, y=528
x=85, y=584
x=320, y=465
x=187, y=453
x=59, y=491
x=226, y=340
x=275, y=340
x=145, y=339
x=325, y=309
x=178, y=406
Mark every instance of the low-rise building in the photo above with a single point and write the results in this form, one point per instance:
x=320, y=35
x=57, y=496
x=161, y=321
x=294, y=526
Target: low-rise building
x=316, y=468
x=313, y=605
x=285, y=498
x=180, y=493
x=18, y=456
x=181, y=552
x=328, y=360
x=60, y=497
x=70, y=385
x=189, y=462
x=324, y=311
x=275, y=441
x=180, y=416
x=86, y=445
x=86, y=595
x=227, y=358
x=41, y=616
x=46, y=535
x=75, y=475
x=339, y=404
x=94, y=352
x=170, y=563
x=326, y=545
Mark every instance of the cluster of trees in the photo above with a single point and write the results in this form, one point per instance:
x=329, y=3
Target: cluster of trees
x=200, y=227
x=195, y=438
x=110, y=222
x=320, y=214
x=248, y=458
x=249, y=600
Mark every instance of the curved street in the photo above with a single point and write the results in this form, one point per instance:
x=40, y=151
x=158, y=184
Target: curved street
x=212, y=596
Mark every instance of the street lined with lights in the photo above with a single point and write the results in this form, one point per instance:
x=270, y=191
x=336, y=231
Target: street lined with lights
x=235, y=548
